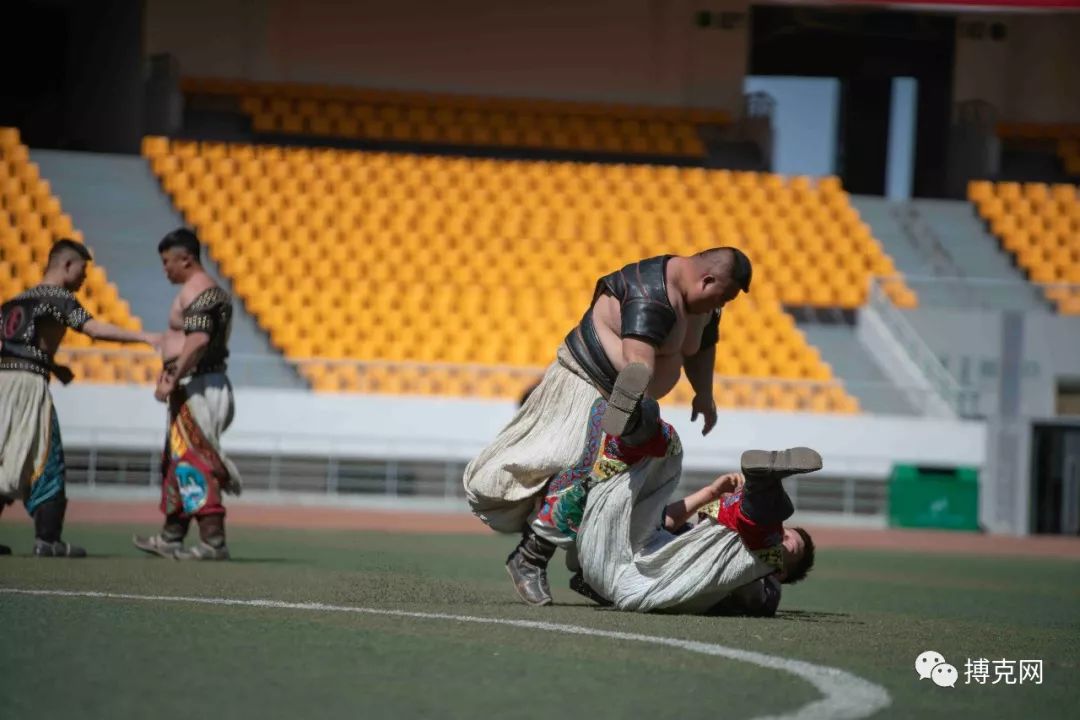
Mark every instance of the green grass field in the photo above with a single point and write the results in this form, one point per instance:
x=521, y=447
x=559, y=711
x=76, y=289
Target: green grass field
x=869, y=613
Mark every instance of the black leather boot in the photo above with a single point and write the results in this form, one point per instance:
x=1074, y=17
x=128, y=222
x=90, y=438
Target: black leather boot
x=49, y=526
x=764, y=498
x=527, y=566
x=578, y=585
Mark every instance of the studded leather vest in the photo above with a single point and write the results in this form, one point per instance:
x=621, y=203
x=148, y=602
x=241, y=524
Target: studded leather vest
x=646, y=312
x=211, y=313
x=21, y=322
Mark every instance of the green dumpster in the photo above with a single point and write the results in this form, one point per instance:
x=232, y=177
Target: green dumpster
x=934, y=497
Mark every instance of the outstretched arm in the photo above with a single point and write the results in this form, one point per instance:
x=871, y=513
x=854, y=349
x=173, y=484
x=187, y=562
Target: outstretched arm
x=100, y=330
x=678, y=512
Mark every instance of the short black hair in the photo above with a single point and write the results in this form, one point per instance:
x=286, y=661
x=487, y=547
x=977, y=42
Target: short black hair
x=66, y=246
x=743, y=272
x=733, y=261
x=806, y=562
x=181, y=238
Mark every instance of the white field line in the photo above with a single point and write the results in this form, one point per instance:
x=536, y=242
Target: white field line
x=844, y=695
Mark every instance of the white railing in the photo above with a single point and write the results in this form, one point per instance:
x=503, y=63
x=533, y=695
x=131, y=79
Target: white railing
x=962, y=401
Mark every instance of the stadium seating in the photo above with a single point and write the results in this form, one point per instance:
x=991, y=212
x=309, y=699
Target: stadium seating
x=1039, y=224
x=31, y=219
x=403, y=258
x=461, y=120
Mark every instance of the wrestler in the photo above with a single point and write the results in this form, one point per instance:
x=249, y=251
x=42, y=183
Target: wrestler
x=195, y=470
x=638, y=553
x=646, y=323
x=32, y=324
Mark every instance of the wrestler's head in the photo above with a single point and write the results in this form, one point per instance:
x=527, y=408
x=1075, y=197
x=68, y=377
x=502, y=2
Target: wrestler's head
x=715, y=277
x=798, y=554
x=179, y=252
x=67, y=264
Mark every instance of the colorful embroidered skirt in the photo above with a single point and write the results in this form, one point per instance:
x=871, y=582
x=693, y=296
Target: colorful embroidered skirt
x=195, y=470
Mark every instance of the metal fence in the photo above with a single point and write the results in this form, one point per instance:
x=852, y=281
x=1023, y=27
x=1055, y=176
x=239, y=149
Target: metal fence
x=336, y=476
x=963, y=400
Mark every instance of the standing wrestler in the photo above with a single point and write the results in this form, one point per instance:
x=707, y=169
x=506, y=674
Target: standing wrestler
x=195, y=471
x=646, y=323
x=32, y=325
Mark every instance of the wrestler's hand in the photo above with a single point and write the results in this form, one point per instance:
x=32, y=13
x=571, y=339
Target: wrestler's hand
x=166, y=384
x=707, y=407
x=726, y=483
x=63, y=374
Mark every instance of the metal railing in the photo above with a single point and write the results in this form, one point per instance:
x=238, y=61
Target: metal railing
x=963, y=400
x=337, y=477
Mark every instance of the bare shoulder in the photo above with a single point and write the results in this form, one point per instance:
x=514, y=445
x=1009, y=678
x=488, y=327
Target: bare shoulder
x=195, y=286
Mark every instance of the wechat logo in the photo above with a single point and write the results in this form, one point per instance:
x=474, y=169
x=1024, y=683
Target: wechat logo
x=931, y=665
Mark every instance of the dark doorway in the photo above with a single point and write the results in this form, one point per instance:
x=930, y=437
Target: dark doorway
x=866, y=50
x=73, y=74
x=1055, y=455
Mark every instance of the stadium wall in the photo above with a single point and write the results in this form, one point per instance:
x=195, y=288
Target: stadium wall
x=445, y=429
x=637, y=51
x=1030, y=73
x=969, y=344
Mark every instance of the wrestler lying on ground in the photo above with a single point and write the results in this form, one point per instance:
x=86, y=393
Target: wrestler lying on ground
x=635, y=550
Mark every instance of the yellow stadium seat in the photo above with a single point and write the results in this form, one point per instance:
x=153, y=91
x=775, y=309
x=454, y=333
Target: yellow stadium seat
x=495, y=229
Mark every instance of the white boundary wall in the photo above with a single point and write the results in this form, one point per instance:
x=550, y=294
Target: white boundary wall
x=427, y=428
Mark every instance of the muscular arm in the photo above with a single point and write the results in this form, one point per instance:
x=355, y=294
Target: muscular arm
x=107, y=331
x=700, y=369
x=638, y=351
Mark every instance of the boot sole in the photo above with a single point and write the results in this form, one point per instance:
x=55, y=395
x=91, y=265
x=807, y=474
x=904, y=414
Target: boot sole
x=793, y=461
x=625, y=398
x=521, y=596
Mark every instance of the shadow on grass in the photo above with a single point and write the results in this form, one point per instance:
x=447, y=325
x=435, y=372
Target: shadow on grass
x=799, y=616
x=262, y=561
x=817, y=616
